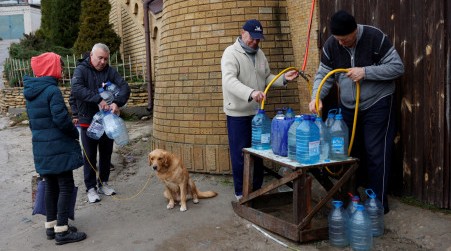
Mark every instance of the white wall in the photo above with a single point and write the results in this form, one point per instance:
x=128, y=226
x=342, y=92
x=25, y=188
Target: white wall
x=32, y=16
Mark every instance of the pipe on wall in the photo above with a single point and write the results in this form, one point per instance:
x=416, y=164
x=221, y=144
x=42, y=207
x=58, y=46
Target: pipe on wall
x=146, y=4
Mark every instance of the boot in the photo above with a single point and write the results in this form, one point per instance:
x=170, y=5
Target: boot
x=50, y=230
x=63, y=235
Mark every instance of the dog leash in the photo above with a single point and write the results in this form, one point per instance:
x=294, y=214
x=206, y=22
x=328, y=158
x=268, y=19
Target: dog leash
x=115, y=197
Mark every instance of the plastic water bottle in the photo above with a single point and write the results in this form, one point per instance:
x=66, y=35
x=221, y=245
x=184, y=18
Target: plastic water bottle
x=338, y=221
x=307, y=142
x=277, y=134
x=375, y=211
x=106, y=95
x=360, y=236
x=323, y=138
x=339, y=139
x=115, y=129
x=355, y=200
x=292, y=137
x=96, y=129
x=109, y=86
x=330, y=117
x=261, y=131
x=289, y=114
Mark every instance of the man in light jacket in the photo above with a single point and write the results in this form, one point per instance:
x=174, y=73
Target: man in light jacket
x=245, y=74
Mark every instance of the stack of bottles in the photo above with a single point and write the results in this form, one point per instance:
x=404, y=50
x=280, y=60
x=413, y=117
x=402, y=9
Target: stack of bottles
x=306, y=139
x=358, y=224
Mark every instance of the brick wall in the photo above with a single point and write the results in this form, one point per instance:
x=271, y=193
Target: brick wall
x=299, y=16
x=188, y=113
x=13, y=97
x=188, y=39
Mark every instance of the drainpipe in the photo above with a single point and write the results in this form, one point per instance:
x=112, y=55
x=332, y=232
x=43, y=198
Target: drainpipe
x=146, y=4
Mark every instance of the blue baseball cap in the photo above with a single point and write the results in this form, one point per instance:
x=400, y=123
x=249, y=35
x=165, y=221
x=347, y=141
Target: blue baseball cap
x=255, y=28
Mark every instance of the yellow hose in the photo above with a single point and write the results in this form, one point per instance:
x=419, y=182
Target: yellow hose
x=356, y=103
x=272, y=81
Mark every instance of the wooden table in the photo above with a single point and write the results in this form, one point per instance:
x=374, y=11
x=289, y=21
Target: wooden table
x=299, y=226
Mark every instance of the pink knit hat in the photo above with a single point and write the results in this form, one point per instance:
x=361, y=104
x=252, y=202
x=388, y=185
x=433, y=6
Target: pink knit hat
x=47, y=64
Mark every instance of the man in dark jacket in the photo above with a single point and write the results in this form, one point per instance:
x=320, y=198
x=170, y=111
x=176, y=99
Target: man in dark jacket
x=56, y=150
x=89, y=76
x=370, y=58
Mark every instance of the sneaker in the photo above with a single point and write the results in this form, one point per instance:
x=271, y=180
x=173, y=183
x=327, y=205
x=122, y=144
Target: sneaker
x=51, y=232
x=107, y=190
x=65, y=237
x=93, y=197
x=238, y=197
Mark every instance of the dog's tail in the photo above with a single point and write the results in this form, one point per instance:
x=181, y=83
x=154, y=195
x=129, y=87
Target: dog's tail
x=205, y=194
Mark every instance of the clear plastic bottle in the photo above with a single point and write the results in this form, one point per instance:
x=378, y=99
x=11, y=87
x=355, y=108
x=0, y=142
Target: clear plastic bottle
x=106, y=95
x=355, y=200
x=338, y=220
x=289, y=114
x=96, y=129
x=109, y=86
x=307, y=142
x=360, y=236
x=261, y=131
x=330, y=117
x=339, y=139
x=115, y=129
x=292, y=137
x=277, y=133
x=375, y=211
x=323, y=138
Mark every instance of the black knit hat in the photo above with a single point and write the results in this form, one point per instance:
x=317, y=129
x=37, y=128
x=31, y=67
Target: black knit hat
x=342, y=23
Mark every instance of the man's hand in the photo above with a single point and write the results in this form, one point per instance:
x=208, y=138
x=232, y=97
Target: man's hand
x=258, y=96
x=75, y=121
x=115, y=109
x=356, y=73
x=312, y=106
x=103, y=105
x=290, y=75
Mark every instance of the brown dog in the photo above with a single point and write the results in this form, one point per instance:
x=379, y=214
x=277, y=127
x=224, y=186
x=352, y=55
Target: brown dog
x=171, y=170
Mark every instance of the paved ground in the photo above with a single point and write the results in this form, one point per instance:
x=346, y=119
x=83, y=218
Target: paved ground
x=137, y=220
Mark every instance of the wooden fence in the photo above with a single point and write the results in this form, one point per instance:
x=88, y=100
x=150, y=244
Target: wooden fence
x=16, y=69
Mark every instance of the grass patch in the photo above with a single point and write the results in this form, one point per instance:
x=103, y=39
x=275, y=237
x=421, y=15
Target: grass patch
x=409, y=200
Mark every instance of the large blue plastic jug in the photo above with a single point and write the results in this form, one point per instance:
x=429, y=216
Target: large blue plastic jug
x=375, y=211
x=307, y=142
x=360, y=236
x=261, y=131
x=96, y=129
x=323, y=138
x=292, y=137
x=115, y=129
x=279, y=134
x=337, y=221
x=339, y=139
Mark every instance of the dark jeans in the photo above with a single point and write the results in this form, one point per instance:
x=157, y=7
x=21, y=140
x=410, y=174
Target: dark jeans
x=58, y=196
x=373, y=145
x=90, y=146
x=240, y=136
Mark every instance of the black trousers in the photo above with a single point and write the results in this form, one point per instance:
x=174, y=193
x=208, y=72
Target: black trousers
x=105, y=146
x=58, y=196
x=373, y=145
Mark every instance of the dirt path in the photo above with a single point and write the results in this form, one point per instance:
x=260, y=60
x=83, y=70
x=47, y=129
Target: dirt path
x=144, y=223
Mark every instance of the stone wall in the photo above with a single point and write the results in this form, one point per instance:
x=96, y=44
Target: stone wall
x=13, y=97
